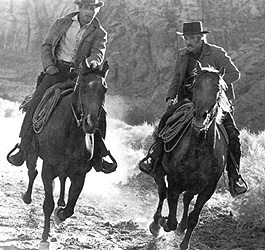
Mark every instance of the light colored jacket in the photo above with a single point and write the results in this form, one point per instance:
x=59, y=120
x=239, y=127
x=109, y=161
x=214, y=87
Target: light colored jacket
x=92, y=45
x=211, y=55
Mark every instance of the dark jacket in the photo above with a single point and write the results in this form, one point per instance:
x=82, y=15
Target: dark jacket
x=92, y=45
x=211, y=55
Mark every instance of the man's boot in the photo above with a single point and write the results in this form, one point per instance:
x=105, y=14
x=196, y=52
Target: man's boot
x=100, y=164
x=237, y=185
x=147, y=164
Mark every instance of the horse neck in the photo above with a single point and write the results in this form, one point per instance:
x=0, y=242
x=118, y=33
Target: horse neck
x=204, y=137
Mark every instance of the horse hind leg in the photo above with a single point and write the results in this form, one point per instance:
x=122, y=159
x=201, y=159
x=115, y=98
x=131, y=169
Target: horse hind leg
x=194, y=216
x=162, y=192
x=187, y=198
x=31, y=163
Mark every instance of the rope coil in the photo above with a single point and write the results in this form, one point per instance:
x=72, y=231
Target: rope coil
x=181, y=118
x=45, y=108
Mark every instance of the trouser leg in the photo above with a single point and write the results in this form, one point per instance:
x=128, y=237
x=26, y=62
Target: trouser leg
x=237, y=185
x=234, y=146
x=26, y=132
x=155, y=153
x=103, y=123
x=47, y=82
x=101, y=150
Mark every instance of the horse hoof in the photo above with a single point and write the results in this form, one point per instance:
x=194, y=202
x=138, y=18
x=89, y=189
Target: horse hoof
x=44, y=245
x=26, y=199
x=155, y=229
x=57, y=216
x=166, y=228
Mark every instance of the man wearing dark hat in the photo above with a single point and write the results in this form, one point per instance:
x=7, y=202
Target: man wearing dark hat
x=70, y=39
x=198, y=49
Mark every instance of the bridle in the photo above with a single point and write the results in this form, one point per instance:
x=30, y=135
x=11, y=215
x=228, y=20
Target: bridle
x=79, y=116
x=211, y=114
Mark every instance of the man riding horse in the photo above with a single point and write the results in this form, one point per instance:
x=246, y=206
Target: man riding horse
x=70, y=39
x=198, y=49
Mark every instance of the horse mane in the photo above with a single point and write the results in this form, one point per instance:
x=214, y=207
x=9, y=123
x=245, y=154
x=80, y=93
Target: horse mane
x=222, y=100
x=88, y=71
x=223, y=104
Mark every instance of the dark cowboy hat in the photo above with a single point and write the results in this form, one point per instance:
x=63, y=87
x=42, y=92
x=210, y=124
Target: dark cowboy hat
x=95, y=3
x=192, y=28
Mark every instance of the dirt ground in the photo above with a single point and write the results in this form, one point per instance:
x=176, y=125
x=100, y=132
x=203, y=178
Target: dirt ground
x=115, y=219
x=109, y=215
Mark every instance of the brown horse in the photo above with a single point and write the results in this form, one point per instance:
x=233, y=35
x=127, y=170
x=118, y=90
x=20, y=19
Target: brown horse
x=62, y=145
x=195, y=165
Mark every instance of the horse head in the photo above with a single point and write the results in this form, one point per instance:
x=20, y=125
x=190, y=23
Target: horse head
x=209, y=98
x=89, y=96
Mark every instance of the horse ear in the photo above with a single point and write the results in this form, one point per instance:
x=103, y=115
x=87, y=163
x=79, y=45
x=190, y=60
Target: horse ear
x=105, y=69
x=198, y=66
x=222, y=71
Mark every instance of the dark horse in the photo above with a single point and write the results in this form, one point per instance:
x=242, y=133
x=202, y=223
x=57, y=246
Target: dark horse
x=62, y=144
x=195, y=165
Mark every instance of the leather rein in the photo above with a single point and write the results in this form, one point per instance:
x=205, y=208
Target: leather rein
x=79, y=116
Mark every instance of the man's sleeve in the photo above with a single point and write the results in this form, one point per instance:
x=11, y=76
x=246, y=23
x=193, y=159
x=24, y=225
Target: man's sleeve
x=98, y=48
x=174, y=85
x=232, y=73
x=46, y=47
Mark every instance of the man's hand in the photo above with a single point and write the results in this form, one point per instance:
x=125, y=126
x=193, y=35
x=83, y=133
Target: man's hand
x=51, y=70
x=170, y=102
x=93, y=64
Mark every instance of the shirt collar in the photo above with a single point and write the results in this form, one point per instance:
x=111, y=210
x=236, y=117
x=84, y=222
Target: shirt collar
x=75, y=19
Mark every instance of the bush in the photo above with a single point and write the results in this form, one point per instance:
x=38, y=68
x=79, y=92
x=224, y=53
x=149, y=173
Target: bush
x=249, y=207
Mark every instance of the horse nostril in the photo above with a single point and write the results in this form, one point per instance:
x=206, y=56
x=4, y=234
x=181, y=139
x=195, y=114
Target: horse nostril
x=204, y=115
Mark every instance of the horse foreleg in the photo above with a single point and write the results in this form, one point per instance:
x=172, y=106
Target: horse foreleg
x=77, y=183
x=61, y=202
x=172, y=197
x=162, y=193
x=31, y=163
x=187, y=198
x=194, y=216
x=48, y=204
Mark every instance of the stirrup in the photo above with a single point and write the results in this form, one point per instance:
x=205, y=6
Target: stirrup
x=109, y=167
x=11, y=151
x=233, y=181
x=143, y=169
x=242, y=179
